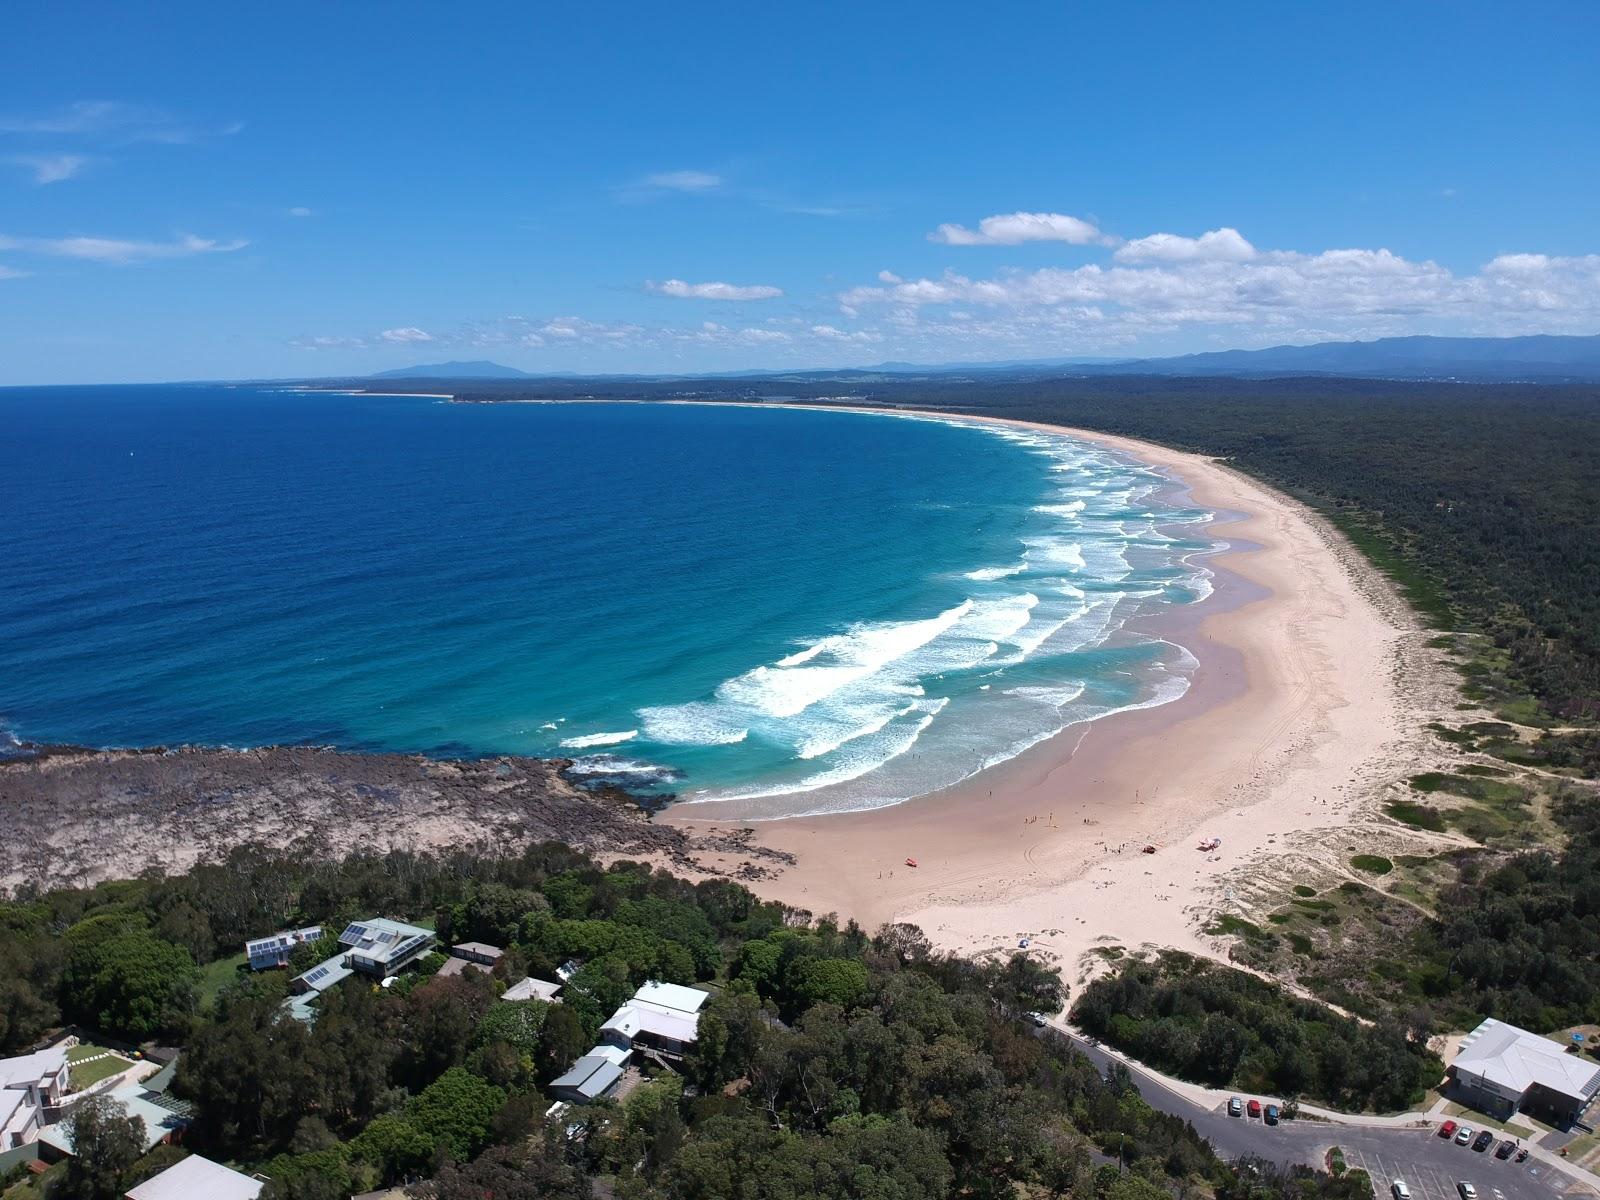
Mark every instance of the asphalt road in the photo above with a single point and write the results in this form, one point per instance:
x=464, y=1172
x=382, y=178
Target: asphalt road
x=1430, y=1165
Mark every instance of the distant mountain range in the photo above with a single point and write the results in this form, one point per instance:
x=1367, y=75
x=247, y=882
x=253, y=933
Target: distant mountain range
x=1543, y=358
x=453, y=370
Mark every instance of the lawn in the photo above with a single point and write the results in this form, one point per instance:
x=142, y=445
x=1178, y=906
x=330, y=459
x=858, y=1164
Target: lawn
x=216, y=976
x=85, y=1069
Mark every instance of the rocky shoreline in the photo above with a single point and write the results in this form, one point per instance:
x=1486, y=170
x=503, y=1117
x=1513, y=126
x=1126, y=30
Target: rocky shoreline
x=79, y=816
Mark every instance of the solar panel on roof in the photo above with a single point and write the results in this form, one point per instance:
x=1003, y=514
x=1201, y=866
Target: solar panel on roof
x=316, y=975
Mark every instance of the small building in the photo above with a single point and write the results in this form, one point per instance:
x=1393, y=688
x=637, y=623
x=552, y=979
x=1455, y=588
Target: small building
x=196, y=1178
x=274, y=949
x=481, y=953
x=30, y=1085
x=590, y=1079
x=1502, y=1069
x=673, y=997
x=533, y=989
x=662, y=1016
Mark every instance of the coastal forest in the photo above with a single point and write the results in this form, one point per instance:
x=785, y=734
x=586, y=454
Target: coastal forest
x=830, y=1063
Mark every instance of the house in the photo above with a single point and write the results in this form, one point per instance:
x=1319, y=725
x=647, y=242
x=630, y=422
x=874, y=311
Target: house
x=196, y=1178
x=163, y=1119
x=273, y=950
x=1502, y=1069
x=29, y=1085
x=662, y=1016
x=533, y=989
x=591, y=1077
x=478, y=952
x=479, y=955
x=380, y=947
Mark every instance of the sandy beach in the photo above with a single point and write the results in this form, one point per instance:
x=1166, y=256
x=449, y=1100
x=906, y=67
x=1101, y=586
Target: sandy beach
x=1311, y=699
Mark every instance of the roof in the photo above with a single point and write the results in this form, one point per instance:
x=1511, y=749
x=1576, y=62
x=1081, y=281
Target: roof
x=284, y=939
x=1516, y=1059
x=590, y=1076
x=532, y=989
x=483, y=948
x=196, y=1178
x=454, y=966
x=28, y=1069
x=673, y=996
x=633, y=1019
x=326, y=973
x=615, y=1054
x=381, y=939
x=159, y=1121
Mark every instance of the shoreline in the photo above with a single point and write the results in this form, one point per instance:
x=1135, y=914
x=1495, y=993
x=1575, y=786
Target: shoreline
x=1295, y=720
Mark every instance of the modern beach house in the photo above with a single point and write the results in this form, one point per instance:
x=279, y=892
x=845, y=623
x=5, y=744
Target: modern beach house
x=29, y=1086
x=661, y=1019
x=376, y=947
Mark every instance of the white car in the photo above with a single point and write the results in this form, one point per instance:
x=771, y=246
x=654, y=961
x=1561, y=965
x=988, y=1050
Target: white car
x=1468, y=1192
x=1464, y=1135
x=1400, y=1190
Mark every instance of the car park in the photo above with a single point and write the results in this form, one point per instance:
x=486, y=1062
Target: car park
x=1255, y=1108
x=1399, y=1190
x=1463, y=1135
x=1448, y=1129
x=1236, y=1107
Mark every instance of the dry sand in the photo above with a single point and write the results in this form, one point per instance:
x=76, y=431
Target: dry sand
x=1311, y=698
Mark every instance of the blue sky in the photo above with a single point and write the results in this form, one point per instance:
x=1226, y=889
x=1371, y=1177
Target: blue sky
x=298, y=189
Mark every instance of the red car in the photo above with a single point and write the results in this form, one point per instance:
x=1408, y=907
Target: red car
x=1254, y=1108
x=1448, y=1129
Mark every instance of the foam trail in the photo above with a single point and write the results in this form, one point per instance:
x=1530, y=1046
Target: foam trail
x=599, y=739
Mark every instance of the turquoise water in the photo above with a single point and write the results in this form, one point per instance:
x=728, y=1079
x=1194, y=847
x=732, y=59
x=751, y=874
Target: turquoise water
x=718, y=602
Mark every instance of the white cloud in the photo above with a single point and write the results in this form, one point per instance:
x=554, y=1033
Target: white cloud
x=1173, y=284
x=1219, y=245
x=684, y=181
x=406, y=336
x=712, y=291
x=300, y=210
x=1012, y=229
x=118, y=251
x=114, y=120
x=51, y=168
x=11, y=273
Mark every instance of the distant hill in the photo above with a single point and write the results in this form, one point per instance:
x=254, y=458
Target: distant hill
x=1541, y=357
x=453, y=370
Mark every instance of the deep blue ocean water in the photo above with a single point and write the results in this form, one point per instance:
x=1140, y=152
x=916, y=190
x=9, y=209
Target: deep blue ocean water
x=713, y=600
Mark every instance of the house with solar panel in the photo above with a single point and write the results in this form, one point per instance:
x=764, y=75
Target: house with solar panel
x=377, y=948
x=273, y=950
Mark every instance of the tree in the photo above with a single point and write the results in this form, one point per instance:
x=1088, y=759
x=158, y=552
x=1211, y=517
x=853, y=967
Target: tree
x=457, y=1110
x=395, y=1146
x=122, y=978
x=840, y=981
x=509, y=1173
x=106, y=1142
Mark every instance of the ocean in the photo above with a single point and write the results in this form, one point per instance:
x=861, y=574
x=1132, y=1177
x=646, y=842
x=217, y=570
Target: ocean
x=813, y=611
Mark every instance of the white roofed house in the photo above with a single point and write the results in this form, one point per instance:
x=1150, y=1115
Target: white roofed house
x=662, y=1016
x=196, y=1178
x=1502, y=1069
x=533, y=989
x=30, y=1086
x=381, y=947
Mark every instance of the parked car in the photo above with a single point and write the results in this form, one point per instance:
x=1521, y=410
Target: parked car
x=1400, y=1190
x=1271, y=1114
x=1254, y=1108
x=1522, y=1155
x=1463, y=1135
x=1483, y=1141
x=1504, y=1149
x=1236, y=1107
x=1448, y=1129
x=1468, y=1192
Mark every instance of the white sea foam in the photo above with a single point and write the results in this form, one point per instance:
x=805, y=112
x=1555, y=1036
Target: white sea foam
x=599, y=739
x=694, y=724
x=990, y=574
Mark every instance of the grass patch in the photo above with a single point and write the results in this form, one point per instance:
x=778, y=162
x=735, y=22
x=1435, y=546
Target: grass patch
x=1227, y=924
x=1313, y=905
x=218, y=975
x=86, y=1074
x=1372, y=864
x=1301, y=889
x=1419, y=816
x=1302, y=944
